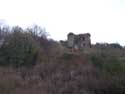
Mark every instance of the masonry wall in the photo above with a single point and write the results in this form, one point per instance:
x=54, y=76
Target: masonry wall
x=79, y=41
x=71, y=39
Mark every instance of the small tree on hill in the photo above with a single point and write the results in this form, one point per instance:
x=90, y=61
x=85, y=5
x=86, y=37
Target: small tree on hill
x=18, y=49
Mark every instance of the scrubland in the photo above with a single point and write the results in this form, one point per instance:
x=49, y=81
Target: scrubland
x=30, y=63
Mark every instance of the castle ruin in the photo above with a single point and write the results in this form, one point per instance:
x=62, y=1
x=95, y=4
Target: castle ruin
x=79, y=41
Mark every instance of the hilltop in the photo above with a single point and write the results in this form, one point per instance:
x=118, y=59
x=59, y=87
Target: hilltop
x=30, y=63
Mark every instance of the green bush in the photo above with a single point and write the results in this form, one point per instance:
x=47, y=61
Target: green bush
x=98, y=59
x=108, y=63
x=69, y=56
x=115, y=67
x=19, y=49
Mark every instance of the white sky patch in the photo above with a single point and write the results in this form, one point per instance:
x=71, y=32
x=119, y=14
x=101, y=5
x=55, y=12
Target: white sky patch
x=104, y=19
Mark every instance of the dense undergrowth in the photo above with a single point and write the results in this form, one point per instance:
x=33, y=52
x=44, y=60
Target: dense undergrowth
x=30, y=63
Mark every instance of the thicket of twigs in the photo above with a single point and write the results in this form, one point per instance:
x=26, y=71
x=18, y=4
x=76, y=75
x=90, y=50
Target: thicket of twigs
x=30, y=63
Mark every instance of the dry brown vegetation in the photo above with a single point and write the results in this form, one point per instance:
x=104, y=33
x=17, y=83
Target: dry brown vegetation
x=55, y=70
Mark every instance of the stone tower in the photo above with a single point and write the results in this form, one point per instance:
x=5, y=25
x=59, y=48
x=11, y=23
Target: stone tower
x=79, y=41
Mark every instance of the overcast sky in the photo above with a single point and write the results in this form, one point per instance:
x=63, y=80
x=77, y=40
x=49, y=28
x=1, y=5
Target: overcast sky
x=103, y=19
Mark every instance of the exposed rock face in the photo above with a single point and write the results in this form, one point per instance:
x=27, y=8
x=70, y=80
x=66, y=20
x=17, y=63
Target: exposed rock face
x=79, y=41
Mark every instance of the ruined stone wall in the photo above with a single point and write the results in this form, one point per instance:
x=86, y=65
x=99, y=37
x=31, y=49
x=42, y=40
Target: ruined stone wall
x=71, y=39
x=79, y=41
